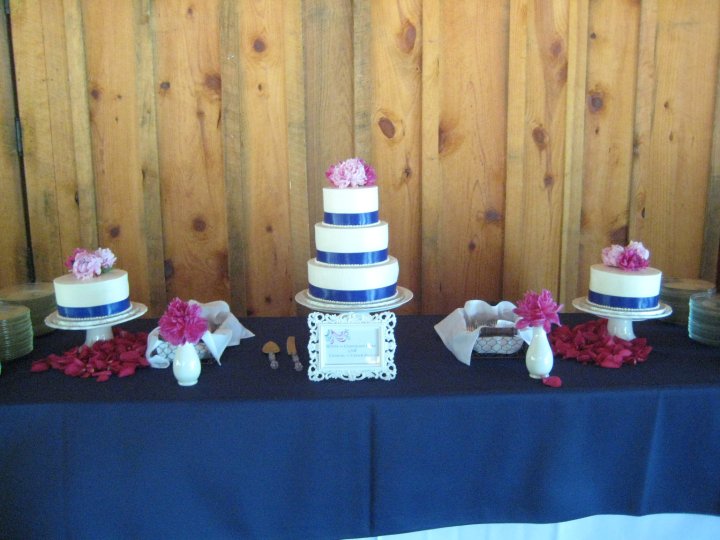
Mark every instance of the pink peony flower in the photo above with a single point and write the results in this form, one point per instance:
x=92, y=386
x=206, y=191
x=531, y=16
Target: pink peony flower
x=86, y=265
x=352, y=172
x=634, y=256
x=537, y=310
x=611, y=255
x=182, y=323
x=107, y=258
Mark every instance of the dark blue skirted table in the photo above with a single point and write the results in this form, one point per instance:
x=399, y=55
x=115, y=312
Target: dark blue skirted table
x=252, y=452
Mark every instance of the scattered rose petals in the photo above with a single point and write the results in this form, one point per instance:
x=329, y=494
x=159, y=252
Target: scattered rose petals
x=120, y=356
x=590, y=342
x=553, y=381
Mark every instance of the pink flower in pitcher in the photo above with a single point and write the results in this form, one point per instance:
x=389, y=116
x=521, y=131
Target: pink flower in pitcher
x=537, y=310
x=352, y=172
x=182, y=323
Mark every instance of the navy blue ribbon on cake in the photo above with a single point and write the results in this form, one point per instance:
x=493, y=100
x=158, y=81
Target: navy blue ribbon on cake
x=104, y=310
x=367, y=257
x=622, y=302
x=369, y=295
x=366, y=218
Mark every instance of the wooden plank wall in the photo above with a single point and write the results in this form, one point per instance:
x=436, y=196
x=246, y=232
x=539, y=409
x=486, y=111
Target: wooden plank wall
x=513, y=140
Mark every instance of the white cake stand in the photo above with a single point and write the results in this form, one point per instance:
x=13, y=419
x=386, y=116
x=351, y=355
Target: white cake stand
x=620, y=322
x=402, y=296
x=96, y=328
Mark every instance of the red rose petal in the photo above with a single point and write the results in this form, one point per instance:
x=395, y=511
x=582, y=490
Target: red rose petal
x=121, y=355
x=552, y=381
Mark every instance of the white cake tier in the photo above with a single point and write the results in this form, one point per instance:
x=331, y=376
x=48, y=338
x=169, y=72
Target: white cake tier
x=351, y=245
x=624, y=289
x=360, y=284
x=351, y=206
x=101, y=296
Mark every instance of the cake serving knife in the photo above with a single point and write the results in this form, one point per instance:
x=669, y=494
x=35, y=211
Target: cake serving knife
x=292, y=352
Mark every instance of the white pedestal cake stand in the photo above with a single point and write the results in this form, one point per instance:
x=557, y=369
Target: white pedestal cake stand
x=402, y=296
x=620, y=322
x=96, y=328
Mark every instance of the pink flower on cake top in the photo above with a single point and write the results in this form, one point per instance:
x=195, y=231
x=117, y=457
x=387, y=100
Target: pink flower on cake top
x=353, y=172
x=85, y=264
x=537, y=309
x=182, y=323
x=634, y=256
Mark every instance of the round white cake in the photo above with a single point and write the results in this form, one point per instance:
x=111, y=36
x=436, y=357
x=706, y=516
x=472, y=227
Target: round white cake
x=351, y=245
x=615, y=288
x=346, y=283
x=352, y=262
x=101, y=296
x=350, y=206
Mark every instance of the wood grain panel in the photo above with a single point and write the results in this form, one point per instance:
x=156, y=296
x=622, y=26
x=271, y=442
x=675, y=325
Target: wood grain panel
x=45, y=112
x=513, y=139
x=571, y=271
x=429, y=296
x=189, y=92
x=674, y=140
x=297, y=144
x=329, y=97
x=13, y=241
x=608, y=132
x=533, y=234
x=78, y=94
x=396, y=130
x=121, y=116
x=471, y=149
x=270, y=288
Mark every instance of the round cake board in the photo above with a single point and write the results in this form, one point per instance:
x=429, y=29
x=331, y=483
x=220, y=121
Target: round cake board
x=98, y=328
x=620, y=322
x=402, y=296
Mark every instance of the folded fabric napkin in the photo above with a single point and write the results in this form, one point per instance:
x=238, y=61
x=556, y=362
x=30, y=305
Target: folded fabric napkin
x=224, y=330
x=460, y=330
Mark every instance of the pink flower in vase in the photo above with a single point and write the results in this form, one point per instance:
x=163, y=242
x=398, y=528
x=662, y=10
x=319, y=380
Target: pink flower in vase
x=352, y=172
x=537, y=310
x=182, y=323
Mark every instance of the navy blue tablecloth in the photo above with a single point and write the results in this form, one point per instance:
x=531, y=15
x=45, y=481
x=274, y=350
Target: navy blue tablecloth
x=255, y=453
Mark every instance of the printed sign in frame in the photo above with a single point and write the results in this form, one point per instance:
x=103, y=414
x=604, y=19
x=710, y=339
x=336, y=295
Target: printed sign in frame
x=352, y=346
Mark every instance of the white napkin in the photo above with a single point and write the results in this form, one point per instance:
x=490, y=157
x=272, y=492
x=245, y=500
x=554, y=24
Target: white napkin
x=454, y=330
x=224, y=330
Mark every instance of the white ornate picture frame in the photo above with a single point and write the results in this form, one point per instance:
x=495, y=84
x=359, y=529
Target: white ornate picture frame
x=352, y=346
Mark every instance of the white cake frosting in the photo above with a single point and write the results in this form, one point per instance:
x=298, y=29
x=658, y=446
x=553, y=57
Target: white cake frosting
x=351, y=245
x=101, y=296
x=352, y=262
x=624, y=289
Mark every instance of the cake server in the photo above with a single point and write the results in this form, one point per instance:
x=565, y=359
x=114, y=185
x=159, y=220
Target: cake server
x=292, y=351
x=271, y=349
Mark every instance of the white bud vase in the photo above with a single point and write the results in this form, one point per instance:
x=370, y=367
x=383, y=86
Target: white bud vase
x=539, y=356
x=186, y=365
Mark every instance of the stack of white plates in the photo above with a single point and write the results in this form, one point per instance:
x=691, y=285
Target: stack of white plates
x=38, y=297
x=676, y=292
x=704, y=319
x=16, y=335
